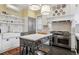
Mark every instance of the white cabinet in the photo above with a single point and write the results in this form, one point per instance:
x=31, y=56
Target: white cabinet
x=4, y=28
x=15, y=42
x=0, y=44
x=10, y=35
x=45, y=20
x=16, y=28
x=10, y=41
x=6, y=44
x=11, y=24
x=39, y=24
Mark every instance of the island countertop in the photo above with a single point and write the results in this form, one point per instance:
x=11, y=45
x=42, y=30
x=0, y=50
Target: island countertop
x=35, y=37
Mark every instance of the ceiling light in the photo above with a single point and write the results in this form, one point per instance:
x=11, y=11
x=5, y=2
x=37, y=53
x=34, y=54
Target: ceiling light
x=12, y=7
x=34, y=7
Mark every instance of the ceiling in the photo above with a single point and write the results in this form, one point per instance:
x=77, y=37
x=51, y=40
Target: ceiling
x=25, y=6
x=44, y=8
x=17, y=7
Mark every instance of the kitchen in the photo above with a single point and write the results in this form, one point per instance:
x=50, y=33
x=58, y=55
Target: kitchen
x=39, y=29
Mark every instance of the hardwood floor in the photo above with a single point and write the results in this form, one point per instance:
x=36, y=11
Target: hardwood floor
x=55, y=51
x=12, y=52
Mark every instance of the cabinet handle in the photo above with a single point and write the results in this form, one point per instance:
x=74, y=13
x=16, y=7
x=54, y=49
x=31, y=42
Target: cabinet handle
x=7, y=40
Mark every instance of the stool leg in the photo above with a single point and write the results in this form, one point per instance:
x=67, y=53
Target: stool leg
x=26, y=50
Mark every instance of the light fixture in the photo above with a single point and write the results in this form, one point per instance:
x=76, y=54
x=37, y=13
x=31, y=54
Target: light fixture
x=45, y=10
x=34, y=7
x=12, y=7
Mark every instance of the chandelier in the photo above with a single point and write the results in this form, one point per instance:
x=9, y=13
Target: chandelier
x=45, y=9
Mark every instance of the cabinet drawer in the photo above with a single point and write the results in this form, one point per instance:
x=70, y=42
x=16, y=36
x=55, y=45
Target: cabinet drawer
x=0, y=43
x=4, y=28
x=10, y=35
x=16, y=42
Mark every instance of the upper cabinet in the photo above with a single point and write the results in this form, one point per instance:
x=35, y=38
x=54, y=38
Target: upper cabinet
x=42, y=24
x=11, y=24
x=39, y=24
x=45, y=20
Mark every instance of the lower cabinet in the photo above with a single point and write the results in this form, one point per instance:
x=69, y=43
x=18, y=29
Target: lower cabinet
x=10, y=43
x=5, y=44
x=15, y=42
x=0, y=44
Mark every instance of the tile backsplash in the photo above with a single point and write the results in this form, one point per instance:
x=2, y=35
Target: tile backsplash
x=61, y=26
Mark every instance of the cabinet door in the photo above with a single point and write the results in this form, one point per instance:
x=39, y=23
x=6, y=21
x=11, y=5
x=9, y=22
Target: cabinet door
x=16, y=28
x=0, y=44
x=10, y=35
x=39, y=24
x=4, y=28
x=15, y=42
x=44, y=20
x=10, y=43
x=5, y=45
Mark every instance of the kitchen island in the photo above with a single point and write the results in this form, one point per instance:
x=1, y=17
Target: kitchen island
x=30, y=43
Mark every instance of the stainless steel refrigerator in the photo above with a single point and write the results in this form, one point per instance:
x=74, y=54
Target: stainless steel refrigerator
x=31, y=25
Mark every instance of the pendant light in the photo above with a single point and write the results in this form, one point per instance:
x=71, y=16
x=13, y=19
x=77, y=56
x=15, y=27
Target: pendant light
x=45, y=10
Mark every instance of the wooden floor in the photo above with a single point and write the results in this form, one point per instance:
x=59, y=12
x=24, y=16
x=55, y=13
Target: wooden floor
x=12, y=52
x=55, y=51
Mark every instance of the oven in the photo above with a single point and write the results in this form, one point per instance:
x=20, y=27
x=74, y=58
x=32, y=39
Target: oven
x=61, y=38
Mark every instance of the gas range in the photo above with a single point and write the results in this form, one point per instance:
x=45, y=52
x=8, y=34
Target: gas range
x=61, y=38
